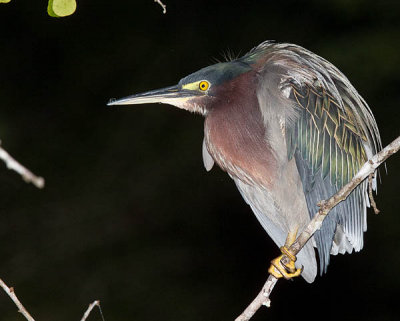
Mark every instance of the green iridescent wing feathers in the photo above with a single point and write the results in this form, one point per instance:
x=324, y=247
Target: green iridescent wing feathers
x=328, y=142
x=327, y=136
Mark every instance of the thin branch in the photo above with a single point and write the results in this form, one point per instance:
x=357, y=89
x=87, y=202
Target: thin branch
x=25, y=313
x=26, y=174
x=90, y=308
x=163, y=6
x=13, y=296
x=261, y=299
x=370, y=194
x=315, y=224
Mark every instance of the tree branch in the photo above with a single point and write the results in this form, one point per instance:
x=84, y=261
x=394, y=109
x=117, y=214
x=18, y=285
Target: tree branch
x=163, y=6
x=370, y=194
x=90, y=308
x=13, y=296
x=25, y=313
x=315, y=224
x=26, y=174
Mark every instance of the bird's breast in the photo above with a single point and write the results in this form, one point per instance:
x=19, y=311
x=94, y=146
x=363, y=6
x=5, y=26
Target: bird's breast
x=236, y=139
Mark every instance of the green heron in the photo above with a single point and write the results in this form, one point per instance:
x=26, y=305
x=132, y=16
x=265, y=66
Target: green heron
x=290, y=130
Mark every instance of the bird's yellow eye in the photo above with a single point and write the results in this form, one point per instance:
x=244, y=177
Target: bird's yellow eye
x=203, y=85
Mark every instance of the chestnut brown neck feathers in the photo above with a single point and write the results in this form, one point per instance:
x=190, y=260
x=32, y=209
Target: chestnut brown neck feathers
x=235, y=133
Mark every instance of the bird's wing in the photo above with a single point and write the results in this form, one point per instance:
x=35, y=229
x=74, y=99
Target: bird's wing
x=330, y=143
x=329, y=130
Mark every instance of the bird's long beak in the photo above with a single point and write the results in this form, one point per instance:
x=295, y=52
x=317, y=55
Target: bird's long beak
x=173, y=95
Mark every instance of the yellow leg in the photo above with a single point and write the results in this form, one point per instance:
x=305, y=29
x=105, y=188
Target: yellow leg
x=287, y=271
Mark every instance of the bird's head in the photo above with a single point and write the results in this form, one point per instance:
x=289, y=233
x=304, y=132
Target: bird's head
x=196, y=92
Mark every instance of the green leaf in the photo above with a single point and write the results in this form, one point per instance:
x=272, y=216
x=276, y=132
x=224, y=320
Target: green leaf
x=61, y=8
x=5, y=1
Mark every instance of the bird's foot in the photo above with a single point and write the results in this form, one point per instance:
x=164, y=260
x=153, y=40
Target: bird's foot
x=286, y=270
x=284, y=265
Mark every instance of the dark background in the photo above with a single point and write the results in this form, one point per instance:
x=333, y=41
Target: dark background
x=128, y=215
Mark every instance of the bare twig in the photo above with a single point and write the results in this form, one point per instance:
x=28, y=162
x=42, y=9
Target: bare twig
x=325, y=206
x=163, y=6
x=261, y=299
x=25, y=313
x=90, y=308
x=26, y=174
x=13, y=296
x=371, y=196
